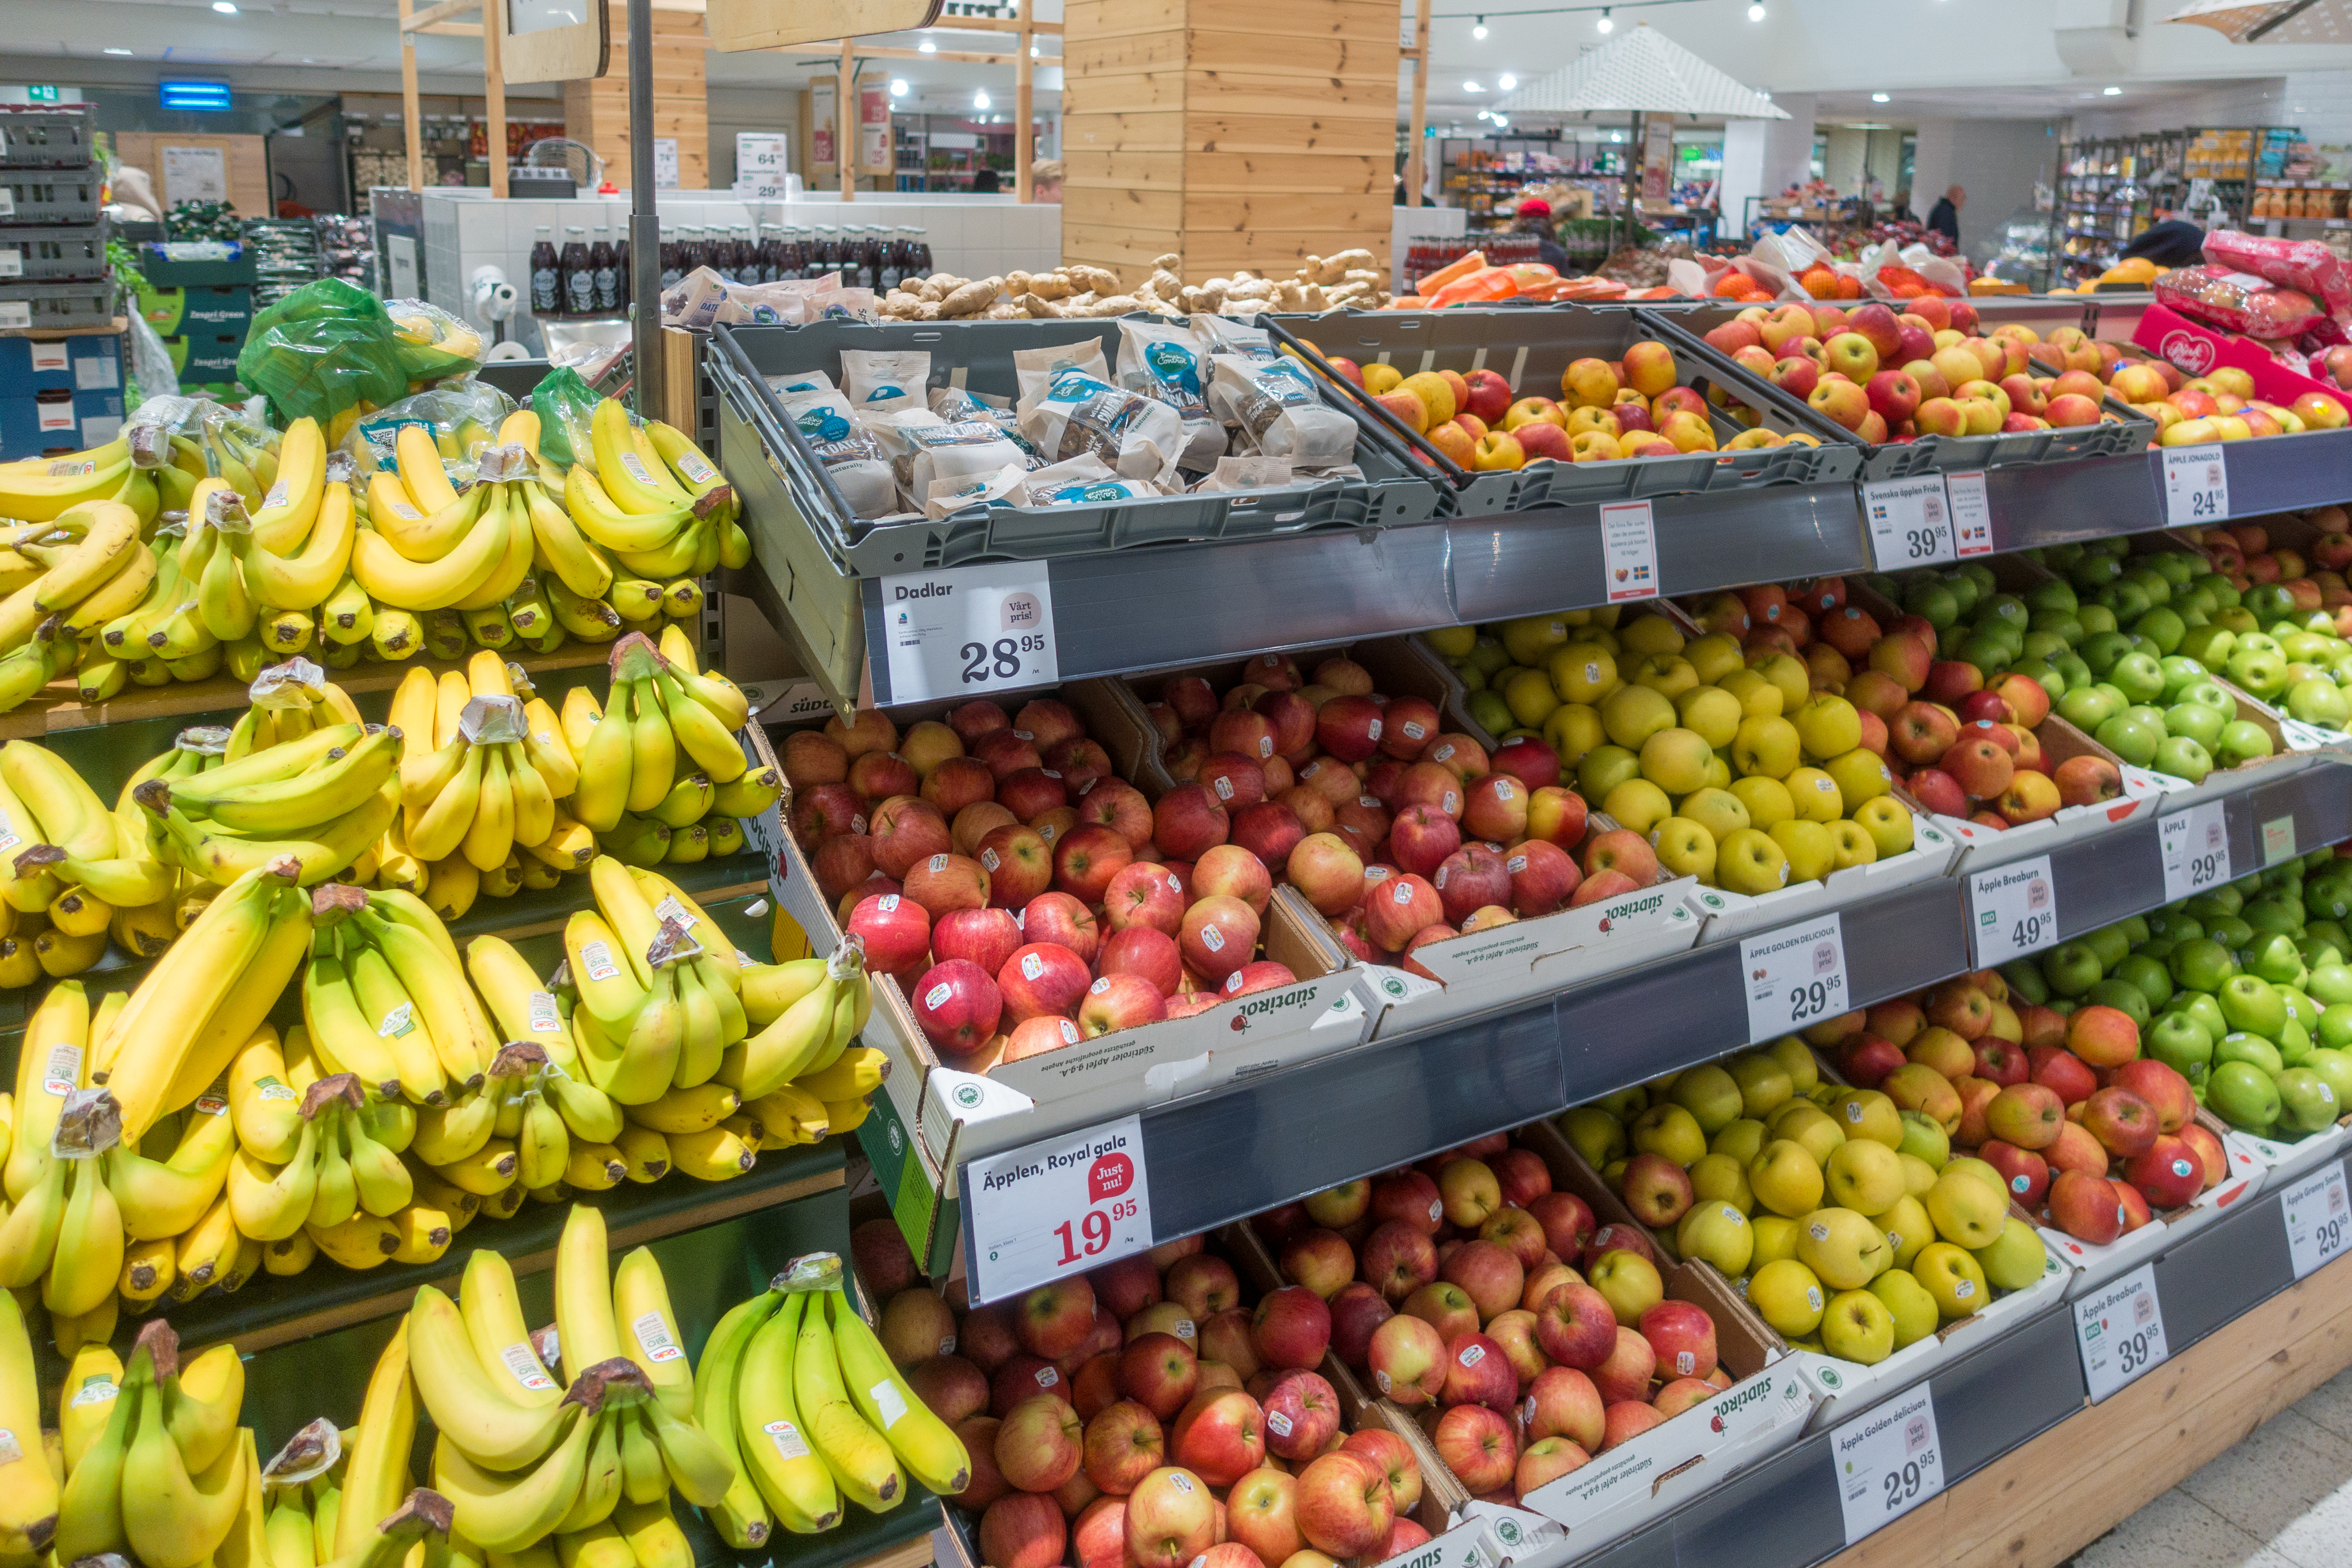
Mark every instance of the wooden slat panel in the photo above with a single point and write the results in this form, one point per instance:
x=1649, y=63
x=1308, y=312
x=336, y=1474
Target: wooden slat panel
x=1208, y=252
x=1288, y=133
x=1115, y=94
x=1123, y=55
x=1112, y=18
x=1118, y=245
x=1161, y=131
x=1369, y=21
x=1332, y=174
x=1344, y=59
x=1108, y=171
x=1161, y=210
x=1297, y=212
x=1259, y=92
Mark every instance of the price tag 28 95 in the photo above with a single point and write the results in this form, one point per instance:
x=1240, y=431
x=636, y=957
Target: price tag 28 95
x=2016, y=909
x=964, y=630
x=1793, y=977
x=2120, y=1328
x=2195, y=845
x=2196, y=485
x=2318, y=1218
x=1910, y=522
x=1058, y=1207
x=1889, y=1460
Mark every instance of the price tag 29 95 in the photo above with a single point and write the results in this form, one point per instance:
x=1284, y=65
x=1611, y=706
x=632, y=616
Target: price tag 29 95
x=1058, y=1207
x=1794, y=977
x=2318, y=1216
x=2195, y=845
x=1889, y=1460
x=2120, y=1328
x=961, y=631
x=2016, y=909
x=2196, y=485
x=1910, y=522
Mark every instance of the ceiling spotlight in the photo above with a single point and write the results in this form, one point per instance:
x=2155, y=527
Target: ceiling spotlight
x=1484, y=114
x=979, y=98
x=898, y=87
x=1507, y=81
x=117, y=51
x=1604, y=25
x=225, y=7
x=1878, y=97
x=927, y=47
x=1478, y=30
x=1472, y=87
x=1502, y=123
x=1616, y=136
x=1756, y=12
x=1033, y=51
x=2112, y=92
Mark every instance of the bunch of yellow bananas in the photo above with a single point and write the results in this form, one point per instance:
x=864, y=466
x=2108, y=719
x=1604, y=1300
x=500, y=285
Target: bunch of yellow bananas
x=587, y=1463
x=168, y=1477
x=633, y=794
x=73, y=574
x=301, y=1521
x=72, y=873
x=481, y=787
x=651, y=499
x=810, y=1408
x=319, y=802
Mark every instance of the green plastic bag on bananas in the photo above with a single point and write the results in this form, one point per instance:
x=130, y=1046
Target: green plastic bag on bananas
x=566, y=404
x=326, y=347
x=433, y=344
x=463, y=417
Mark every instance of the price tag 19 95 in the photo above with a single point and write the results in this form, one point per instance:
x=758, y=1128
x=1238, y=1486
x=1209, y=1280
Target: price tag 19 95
x=2196, y=485
x=2195, y=845
x=1910, y=522
x=2120, y=1328
x=963, y=631
x=1058, y=1207
x=2318, y=1218
x=1793, y=977
x=2016, y=909
x=1889, y=1461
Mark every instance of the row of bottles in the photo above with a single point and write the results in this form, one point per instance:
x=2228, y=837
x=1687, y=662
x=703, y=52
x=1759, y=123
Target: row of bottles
x=582, y=280
x=592, y=279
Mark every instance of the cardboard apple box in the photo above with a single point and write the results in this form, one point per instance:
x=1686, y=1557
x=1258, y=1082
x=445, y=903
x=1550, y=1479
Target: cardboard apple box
x=2286, y=757
x=2285, y=1159
x=2200, y=350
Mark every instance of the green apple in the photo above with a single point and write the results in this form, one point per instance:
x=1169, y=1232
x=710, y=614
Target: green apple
x=1719, y=1232
x=2070, y=666
x=2071, y=968
x=2294, y=1043
x=1629, y=1283
x=2139, y=677
x=2335, y=1031
x=2238, y=1046
x=1924, y=1137
x=1786, y=1295
x=1857, y=1327
x=2320, y=701
x=2330, y=985
x=2015, y=1258
x=2252, y=1003
x=2101, y=650
x=2135, y=740
x=2307, y=1102
x=2202, y=1007
x=2258, y=670
x=2095, y=618
x=2209, y=644
x=2149, y=975
x=1933, y=602
x=2163, y=626
x=2270, y=601
x=2233, y=933
x=2335, y=1068
x=2110, y=942
x=2202, y=964
x=2180, y=672
x=1907, y=1304
x=2179, y=1042
x=2086, y=708
x=2198, y=721
x=2276, y=910
x=2272, y=958
x=2122, y=994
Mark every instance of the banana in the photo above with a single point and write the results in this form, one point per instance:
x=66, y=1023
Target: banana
x=713, y=1154
x=119, y=595
x=315, y=852
x=544, y=1150
x=385, y=1186
x=200, y=1404
x=859, y=1458
x=643, y=1478
x=694, y=472
x=652, y=1535
x=347, y=779
x=790, y=1116
x=489, y=1170
x=769, y=988
x=149, y=1270
x=87, y=1517
x=306, y=580
x=472, y=1411
x=417, y=535
x=205, y=1251
x=645, y=1153
x=606, y=520
x=700, y=731
x=163, y=1198
x=375, y=1461
x=598, y=1546
x=86, y=1403
x=447, y=1134
x=531, y=800
x=68, y=814
x=284, y=519
x=490, y=837
x=420, y=467
x=273, y=1204
x=599, y=1486
x=773, y=1440
x=595, y=1167
x=170, y=1517
x=790, y=1044
x=391, y=578
x=609, y=988
x=926, y=1444
x=29, y=1489
x=347, y=616
x=507, y=577
x=579, y=562
x=263, y=1104
x=461, y=1032
x=742, y=1516
x=523, y=1008
x=859, y=1070
x=583, y=1295
x=653, y=750
x=649, y=1331
x=494, y=1328
x=343, y=1032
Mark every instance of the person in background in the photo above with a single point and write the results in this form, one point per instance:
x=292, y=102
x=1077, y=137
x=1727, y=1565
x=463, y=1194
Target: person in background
x=2175, y=242
x=984, y=183
x=1944, y=218
x=1534, y=216
x=1046, y=180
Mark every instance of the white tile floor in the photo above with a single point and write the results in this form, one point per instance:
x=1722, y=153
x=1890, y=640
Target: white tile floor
x=2280, y=1499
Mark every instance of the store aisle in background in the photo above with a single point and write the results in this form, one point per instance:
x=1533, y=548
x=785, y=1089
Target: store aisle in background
x=2281, y=1498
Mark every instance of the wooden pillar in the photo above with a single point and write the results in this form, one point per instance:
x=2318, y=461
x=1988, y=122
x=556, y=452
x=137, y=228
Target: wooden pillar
x=1231, y=132
x=494, y=14
x=1025, y=101
x=597, y=112
x=412, y=110
x=1416, y=149
x=845, y=151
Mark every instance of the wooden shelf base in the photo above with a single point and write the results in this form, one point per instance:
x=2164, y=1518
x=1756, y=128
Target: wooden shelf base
x=2051, y=1497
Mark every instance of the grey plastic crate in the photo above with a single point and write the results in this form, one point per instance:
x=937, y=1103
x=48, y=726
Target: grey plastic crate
x=49, y=195
x=40, y=307
x=1531, y=346
x=2129, y=431
x=45, y=255
x=47, y=135
x=981, y=352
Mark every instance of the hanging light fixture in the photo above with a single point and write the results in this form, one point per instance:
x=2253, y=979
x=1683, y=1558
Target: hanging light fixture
x=1478, y=30
x=1605, y=25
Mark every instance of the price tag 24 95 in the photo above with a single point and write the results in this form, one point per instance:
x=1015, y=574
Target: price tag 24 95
x=1889, y=1460
x=2195, y=845
x=2196, y=485
x=1058, y=1207
x=2120, y=1328
x=2318, y=1218
x=1793, y=977
x=2016, y=909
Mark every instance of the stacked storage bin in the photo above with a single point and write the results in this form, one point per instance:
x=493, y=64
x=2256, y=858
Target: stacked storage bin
x=201, y=305
x=60, y=350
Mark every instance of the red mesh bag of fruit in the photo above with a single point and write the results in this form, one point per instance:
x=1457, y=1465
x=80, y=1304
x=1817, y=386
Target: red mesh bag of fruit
x=2237, y=301
x=2301, y=264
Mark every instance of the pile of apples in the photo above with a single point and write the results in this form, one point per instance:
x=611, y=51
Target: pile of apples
x=1631, y=408
x=1526, y=1337
x=2245, y=553
x=1397, y=832
x=2243, y=991
x=1141, y=1415
x=995, y=865
x=2189, y=410
x=1849, y=1224
x=1726, y=757
x=1889, y=377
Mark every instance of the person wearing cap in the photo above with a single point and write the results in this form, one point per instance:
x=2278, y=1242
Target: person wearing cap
x=1533, y=217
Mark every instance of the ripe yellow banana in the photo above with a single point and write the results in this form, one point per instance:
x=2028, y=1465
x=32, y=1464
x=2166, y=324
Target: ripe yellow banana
x=473, y=1411
x=773, y=1444
x=861, y=1460
x=926, y=1444
x=649, y=1335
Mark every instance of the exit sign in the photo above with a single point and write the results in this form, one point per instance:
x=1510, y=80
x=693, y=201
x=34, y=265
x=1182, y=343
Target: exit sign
x=38, y=94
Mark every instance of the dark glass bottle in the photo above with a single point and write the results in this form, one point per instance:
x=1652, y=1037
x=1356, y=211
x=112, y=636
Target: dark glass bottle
x=579, y=276
x=624, y=286
x=672, y=259
x=828, y=250
x=894, y=258
x=600, y=265
x=924, y=265
x=546, y=283
x=747, y=257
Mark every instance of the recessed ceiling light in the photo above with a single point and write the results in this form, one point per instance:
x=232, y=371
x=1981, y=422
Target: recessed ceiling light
x=898, y=87
x=927, y=47
x=1472, y=87
x=225, y=7
x=1507, y=81
x=979, y=98
x=117, y=51
x=2112, y=92
x=1878, y=97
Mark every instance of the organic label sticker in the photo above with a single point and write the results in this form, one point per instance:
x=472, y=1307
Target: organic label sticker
x=525, y=1365
x=887, y=1399
x=63, y=1074
x=546, y=1019
x=270, y=1089
x=95, y=1389
x=654, y=1339
x=787, y=1439
x=669, y=908
x=397, y=1022
x=599, y=959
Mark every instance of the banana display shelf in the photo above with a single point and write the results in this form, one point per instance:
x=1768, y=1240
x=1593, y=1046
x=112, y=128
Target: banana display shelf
x=106, y=755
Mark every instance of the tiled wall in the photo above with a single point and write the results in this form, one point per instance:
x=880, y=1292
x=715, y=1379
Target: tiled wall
x=971, y=236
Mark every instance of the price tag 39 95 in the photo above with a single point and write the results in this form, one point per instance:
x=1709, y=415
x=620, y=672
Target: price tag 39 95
x=1793, y=977
x=2016, y=909
x=1058, y=1207
x=2318, y=1218
x=2195, y=845
x=1910, y=522
x=2120, y=1328
x=1889, y=1460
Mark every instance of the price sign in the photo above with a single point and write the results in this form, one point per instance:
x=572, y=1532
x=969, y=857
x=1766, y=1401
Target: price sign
x=2120, y=1328
x=2278, y=840
x=1910, y=522
x=1629, y=551
x=2195, y=845
x=1971, y=513
x=1889, y=1461
x=965, y=631
x=2196, y=485
x=1058, y=1207
x=1794, y=977
x=2318, y=1218
x=2016, y=909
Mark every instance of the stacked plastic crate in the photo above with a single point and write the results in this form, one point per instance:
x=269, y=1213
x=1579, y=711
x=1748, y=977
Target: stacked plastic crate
x=61, y=365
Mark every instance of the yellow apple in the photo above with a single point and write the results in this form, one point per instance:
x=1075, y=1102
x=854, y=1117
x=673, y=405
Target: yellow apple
x=1766, y=746
x=1675, y=761
x=1976, y=1170
x=1743, y=1140
x=1887, y=821
x=1814, y=796
x=1717, y=810
x=1855, y=845
x=1709, y=1093
x=1809, y=1127
x=1715, y=655
x=1786, y=1178
x=1843, y=1248
x=1861, y=775
x=1965, y=1210
x=1602, y=769
x=1788, y=673
x=1907, y=1223
x=1748, y=862
x=1684, y=848
x=1670, y=1131
x=1797, y=1060
x=1864, y=1176
x=1857, y=1327
x=1720, y=1178
x=1767, y=802
x=1828, y=724
x=1668, y=674
x=1718, y=772
x=1953, y=1278
x=1529, y=696
x=1639, y=805
x=1711, y=711
x=1908, y=1304
x=2015, y=1260
x=1631, y=714
x=1764, y=1085
x=1582, y=671
x=1775, y=1238
x=1595, y=1134
x=1866, y=1113
x=1787, y=1295
x=1759, y=698
x=1811, y=852
x=1571, y=730
x=1718, y=1234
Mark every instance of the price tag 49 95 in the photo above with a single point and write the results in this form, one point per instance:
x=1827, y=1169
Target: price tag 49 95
x=1793, y=977
x=2120, y=1328
x=2016, y=909
x=1889, y=1460
x=2318, y=1216
x=2195, y=845
x=1058, y=1207
x=962, y=631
